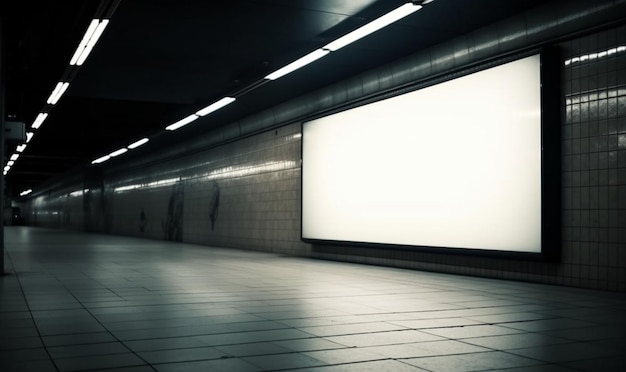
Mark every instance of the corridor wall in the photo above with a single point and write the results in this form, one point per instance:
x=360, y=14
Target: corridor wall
x=240, y=185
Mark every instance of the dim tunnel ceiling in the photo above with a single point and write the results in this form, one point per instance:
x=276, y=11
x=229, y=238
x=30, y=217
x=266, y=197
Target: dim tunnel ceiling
x=161, y=60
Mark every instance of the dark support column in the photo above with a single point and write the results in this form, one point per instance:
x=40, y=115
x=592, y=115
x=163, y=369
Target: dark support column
x=2, y=115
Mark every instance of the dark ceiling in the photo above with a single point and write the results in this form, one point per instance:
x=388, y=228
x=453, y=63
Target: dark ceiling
x=161, y=60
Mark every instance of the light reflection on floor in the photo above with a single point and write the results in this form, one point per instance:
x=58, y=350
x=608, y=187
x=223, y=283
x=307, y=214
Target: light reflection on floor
x=74, y=301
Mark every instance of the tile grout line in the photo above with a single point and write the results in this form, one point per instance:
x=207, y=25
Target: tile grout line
x=19, y=282
x=108, y=331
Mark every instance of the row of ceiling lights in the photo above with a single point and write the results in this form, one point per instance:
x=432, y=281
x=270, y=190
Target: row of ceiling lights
x=97, y=26
x=89, y=40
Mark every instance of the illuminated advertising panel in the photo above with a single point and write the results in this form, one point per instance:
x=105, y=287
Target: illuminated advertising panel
x=456, y=164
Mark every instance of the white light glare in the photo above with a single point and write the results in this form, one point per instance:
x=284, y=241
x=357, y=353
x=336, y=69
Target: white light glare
x=592, y=56
x=134, y=145
x=26, y=192
x=57, y=92
x=299, y=63
x=94, y=31
x=375, y=25
x=29, y=136
x=216, y=106
x=6, y=169
x=183, y=122
x=40, y=119
x=20, y=148
x=101, y=159
x=10, y=163
x=351, y=37
x=118, y=152
x=14, y=157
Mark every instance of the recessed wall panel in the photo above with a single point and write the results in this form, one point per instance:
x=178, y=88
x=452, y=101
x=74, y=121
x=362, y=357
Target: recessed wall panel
x=457, y=164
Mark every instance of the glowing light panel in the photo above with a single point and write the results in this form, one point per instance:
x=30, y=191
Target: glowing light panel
x=456, y=164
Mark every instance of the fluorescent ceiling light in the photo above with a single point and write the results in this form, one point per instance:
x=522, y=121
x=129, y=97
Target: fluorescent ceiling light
x=21, y=148
x=118, y=152
x=26, y=192
x=94, y=31
x=83, y=43
x=216, y=106
x=183, y=122
x=602, y=54
x=10, y=163
x=309, y=58
x=29, y=136
x=101, y=159
x=39, y=120
x=57, y=92
x=14, y=157
x=375, y=25
x=138, y=143
x=6, y=169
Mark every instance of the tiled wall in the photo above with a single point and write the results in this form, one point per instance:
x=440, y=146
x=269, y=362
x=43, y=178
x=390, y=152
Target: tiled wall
x=594, y=160
x=62, y=208
x=593, y=134
x=246, y=194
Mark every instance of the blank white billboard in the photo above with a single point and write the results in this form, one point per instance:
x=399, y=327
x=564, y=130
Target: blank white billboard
x=457, y=164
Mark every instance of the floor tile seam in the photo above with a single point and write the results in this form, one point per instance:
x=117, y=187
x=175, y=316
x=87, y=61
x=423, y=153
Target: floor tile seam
x=511, y=321
x=324, y=363
x=231, y=356
x=128, y=317
x=282, y=326
x=559, y=329
x=193, y=326
x=217, y=347
x=456, y=308
x=130, y=351
x=19, y=283
x=561, y=363
x=475, y=325
x=448, y=327
x=224, y=357
x=538, y=361
x=465, y=341
x=225, y=333
x=178, y=318
x=572, y=342
x=62, y=358
x=163, y=303
x=448, y=355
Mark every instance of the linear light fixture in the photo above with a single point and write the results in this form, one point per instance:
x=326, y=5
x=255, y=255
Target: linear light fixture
x=183, y=122
x=118, y=152
x=10, y=163
x=21, y=148
x=57, y=92
x=592, y=56
x=121, y=151
x=14, y=157
x=299, y=63
x=375, y=25
x=101, y=159
x=39, y=120
x=134, y=145
x=29, y=136
x=26, y=192
x=216, y=106
x=93, y=33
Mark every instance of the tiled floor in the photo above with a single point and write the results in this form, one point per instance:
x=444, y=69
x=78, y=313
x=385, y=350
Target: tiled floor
x=74, y=302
